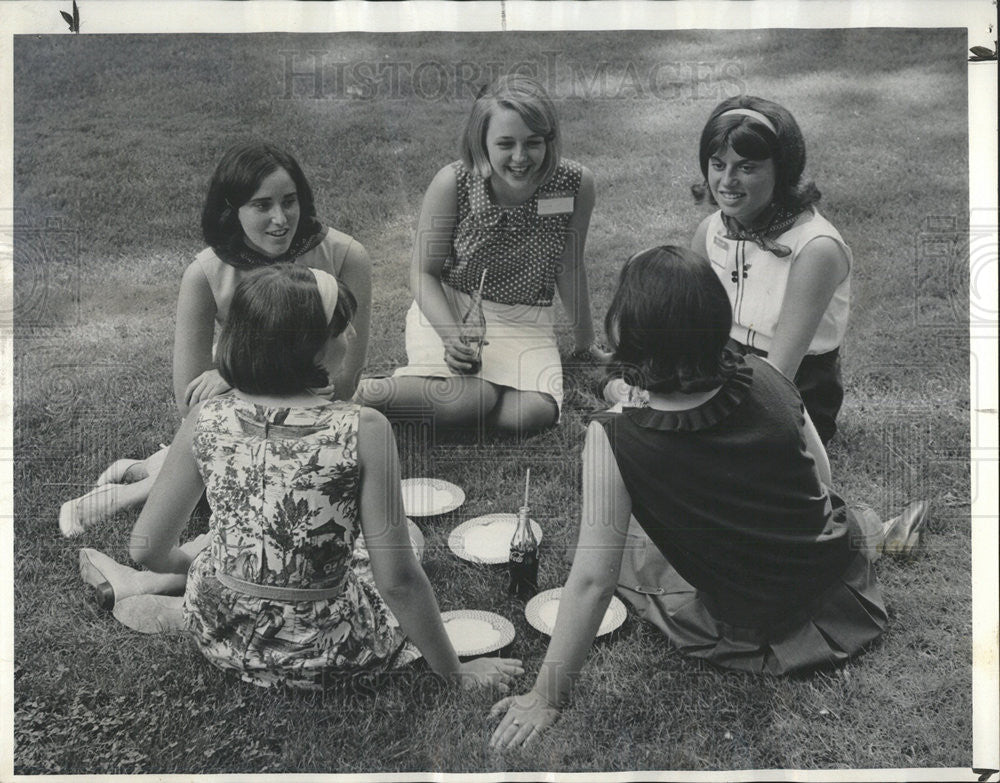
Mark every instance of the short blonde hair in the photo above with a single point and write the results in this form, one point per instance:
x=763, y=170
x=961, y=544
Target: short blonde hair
x=528, y=98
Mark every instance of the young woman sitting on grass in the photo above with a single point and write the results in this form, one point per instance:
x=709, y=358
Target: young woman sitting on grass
x=259, y=210
x=514, y=210
x=709, y=509
x=279, y=593
x=786, y=269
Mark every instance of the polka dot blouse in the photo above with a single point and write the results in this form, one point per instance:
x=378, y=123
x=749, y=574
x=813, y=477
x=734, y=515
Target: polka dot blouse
x=520, y=246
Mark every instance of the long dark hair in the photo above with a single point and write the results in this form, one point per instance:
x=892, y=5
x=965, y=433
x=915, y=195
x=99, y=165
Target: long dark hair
x=237, y=177
x=669, y=322
x=275, y=329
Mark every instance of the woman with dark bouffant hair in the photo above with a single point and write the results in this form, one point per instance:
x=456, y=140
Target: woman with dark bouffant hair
x=259, y=211
x=709, y=509
x=785, y=268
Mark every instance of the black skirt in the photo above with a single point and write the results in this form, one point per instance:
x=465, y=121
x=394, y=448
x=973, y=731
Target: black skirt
x=819, y=383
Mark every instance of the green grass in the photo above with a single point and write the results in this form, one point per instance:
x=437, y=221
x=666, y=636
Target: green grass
x=114, y=140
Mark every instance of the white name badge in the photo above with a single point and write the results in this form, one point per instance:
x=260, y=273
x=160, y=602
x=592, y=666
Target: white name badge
x=558, y=205
x=719, y=242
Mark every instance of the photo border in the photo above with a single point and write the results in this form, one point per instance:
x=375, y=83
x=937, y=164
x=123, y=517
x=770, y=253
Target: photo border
x=108, y=16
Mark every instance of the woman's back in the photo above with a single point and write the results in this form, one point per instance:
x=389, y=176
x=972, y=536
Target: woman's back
x=277, y=595
x=729, y=494
x=283, y=487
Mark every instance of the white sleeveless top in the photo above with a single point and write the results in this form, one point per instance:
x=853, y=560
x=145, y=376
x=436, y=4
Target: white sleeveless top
x=755, y=280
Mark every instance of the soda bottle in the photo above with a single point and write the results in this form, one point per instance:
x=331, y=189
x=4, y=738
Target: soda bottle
x=472, y=329
x=523, y=561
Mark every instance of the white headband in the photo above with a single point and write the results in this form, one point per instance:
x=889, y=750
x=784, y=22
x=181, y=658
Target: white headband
x=763, y=120
x=329, y=291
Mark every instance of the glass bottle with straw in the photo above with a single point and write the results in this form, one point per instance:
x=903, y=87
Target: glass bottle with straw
x=523, y=565
x=472, y=329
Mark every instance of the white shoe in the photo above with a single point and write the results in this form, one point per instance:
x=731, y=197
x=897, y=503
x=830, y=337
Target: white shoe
x=91, y=563
x=903, y=533
x=101, y=502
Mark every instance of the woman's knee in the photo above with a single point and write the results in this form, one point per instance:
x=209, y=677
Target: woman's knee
x=525, y=413
x=449, y=401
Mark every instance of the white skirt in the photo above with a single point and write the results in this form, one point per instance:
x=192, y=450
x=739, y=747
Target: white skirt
x=521, y=351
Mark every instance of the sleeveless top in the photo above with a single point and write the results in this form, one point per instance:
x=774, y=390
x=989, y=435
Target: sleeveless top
x=520, y=247
x=223, y=278
x=284, y=488
x=755, y=280
x=730, y=496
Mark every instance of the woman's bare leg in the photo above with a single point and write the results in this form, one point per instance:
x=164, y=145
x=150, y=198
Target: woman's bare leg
x=126, y=471
x=143, y=600
x=102, y=502
x=524, y=413
x=455, y=401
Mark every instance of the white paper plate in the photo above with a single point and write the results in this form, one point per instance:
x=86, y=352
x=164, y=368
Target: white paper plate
x=428, y=497
x=541, y=612
x=486, y=539
x=475, y=632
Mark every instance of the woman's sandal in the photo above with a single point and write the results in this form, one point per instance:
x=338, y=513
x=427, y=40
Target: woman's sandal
x=903, y=534
x=92, y=575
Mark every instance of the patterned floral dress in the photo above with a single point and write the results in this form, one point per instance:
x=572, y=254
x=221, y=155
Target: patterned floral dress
x=283, y=485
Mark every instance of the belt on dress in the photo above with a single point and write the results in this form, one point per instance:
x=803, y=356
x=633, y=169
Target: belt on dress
x=274, y=593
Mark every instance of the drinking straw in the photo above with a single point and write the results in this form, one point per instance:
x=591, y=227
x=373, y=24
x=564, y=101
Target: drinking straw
x=527, y=478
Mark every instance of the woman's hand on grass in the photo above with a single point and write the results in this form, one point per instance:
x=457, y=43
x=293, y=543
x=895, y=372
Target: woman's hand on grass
x=208, y=384
x=526, y=717
x=489, y=673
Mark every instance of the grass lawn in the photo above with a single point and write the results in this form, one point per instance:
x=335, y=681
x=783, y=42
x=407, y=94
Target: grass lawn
x=115, y=139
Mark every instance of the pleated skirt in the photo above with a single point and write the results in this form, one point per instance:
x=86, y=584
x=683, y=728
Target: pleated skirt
x=846, y=617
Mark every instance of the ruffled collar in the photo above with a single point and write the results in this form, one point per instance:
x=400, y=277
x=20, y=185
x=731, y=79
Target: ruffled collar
x=703, y=416
x=236, y=253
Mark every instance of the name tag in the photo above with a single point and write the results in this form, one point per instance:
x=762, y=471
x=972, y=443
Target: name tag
x=720, y=242
x=556, y=205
